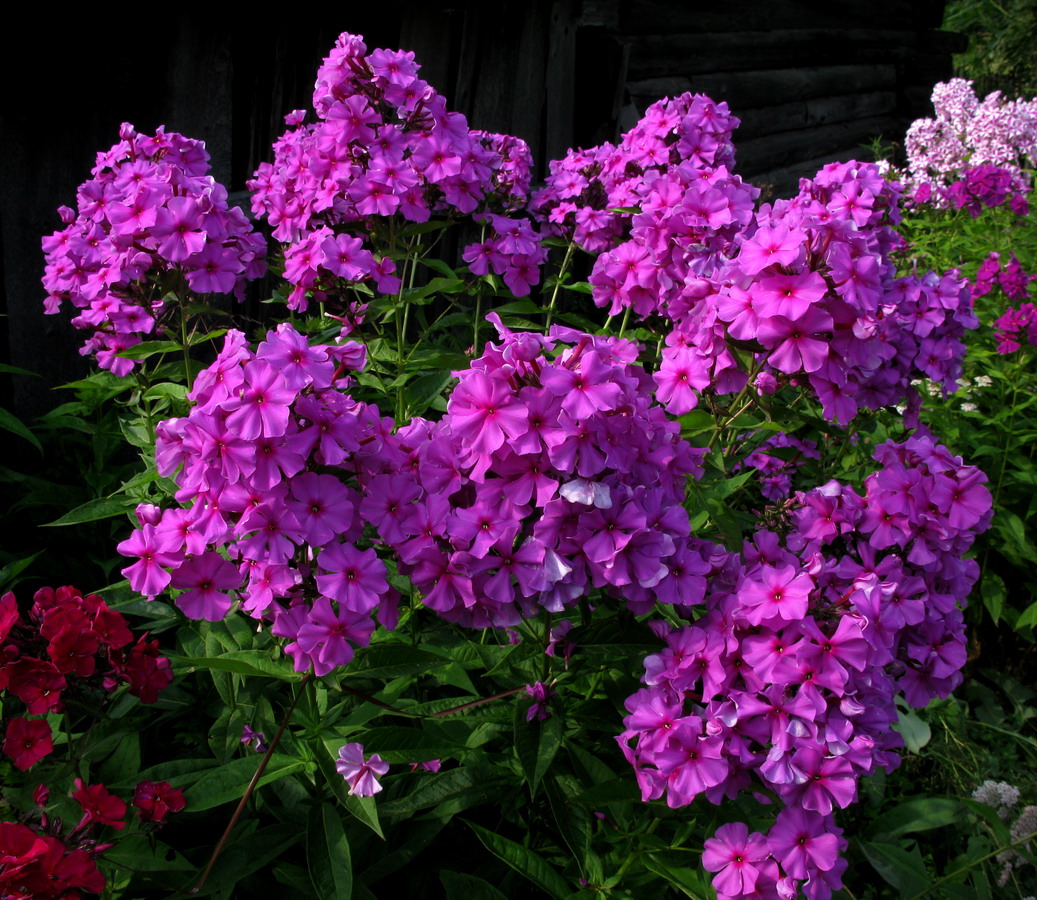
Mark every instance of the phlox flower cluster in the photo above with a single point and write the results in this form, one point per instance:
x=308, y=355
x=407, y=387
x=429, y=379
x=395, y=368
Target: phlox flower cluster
x=68, y=642
x=788, y=681
x=586, y=192
x=150, y=219
x=1015, y=325
x=775, y=472
x=384, y=145
x=265, y=520
x=45, y=866
x=972, y=151
x=39, y=859
x=808, y=293
x=552, y=472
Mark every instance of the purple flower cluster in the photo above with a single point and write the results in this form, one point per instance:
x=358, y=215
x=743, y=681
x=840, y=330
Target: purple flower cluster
x=586, y=191
x=552, y=472
x=788, y=681
x=1015, y=324
x=984, y=187
x=384, y=147
x=972, y=151
x=150, y=211
x=263, y=517
x=810, y=290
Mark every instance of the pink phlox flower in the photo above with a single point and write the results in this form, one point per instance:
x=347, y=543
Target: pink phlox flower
x=776, y=594
x=204, y=579
x=356, y=578
x=802, y=842
x=360, y=773
x=147, y=576
x=325, y=637
x=737, y=857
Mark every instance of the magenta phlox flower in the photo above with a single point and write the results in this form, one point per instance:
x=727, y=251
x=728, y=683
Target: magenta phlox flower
x=267, y=581
x=204, y=579
x=802, y=841
x=692, y=764
x=484, y=413
x=780, y=594
x=323, y=507
x=291, y=355
x=769, y=246
x=791, y=296
x=215, y=270
x=356, y=578
x=179, y=227
x=737, y=857
x=148, y=576
x=326, y=636
x=828, y=779
x=796, y=344
x=360, y=773
x=263, y=407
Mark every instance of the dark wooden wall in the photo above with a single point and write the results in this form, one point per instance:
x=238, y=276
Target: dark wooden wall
x=811, y=81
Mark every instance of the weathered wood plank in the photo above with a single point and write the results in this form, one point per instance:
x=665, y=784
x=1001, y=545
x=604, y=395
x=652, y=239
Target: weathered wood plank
x=810, y=113
x=689, y=54
x=778, y=150
x=560, y=85
x=746, y=90
x=699, y=17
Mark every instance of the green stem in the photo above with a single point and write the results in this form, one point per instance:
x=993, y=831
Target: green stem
x=185, y=349
x=623, y=324
x=1026, y=838
x=252, y=785
x=558, y=284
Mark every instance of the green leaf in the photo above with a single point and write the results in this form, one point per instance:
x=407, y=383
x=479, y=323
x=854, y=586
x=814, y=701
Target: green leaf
x=10, y=422
x=247, y=853
x=679, y=876
x=904, y=870
x=575, y=826
x=242, y=662
x=12, y=570
x=424, y=389
x=727, y=486
x=398, y=744
x=523, y=860
x=536, y=743
x=167, y=389
x=149, y=348
x=327, y=854
x=225, y=734
x=229, y=781
x=178, y=772
x=14, y=370
x=915, y=731
x=144, y=854
x=1028, y=618
x=461, y=886
x=95, y=510
x=477, y=783
x=992, y=589
x=919, y=814
x=437, y=265
x=390, y=659
x=523, y=307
